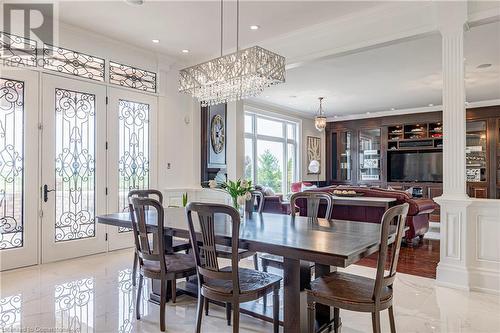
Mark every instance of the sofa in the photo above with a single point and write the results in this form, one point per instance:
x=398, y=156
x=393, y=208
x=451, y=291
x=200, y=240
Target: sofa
x=273, y=203
x=417, y=220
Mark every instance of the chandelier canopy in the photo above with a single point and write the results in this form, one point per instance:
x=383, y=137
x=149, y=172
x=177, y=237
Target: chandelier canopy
x=239, y=75
x=320, y=119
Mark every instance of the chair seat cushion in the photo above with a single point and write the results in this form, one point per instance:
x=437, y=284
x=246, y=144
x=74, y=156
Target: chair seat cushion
x=226, y=252
x=176, y=263
x=347, y=288
x=250, y=281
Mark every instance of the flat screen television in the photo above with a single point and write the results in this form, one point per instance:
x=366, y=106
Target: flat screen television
x=415, y=166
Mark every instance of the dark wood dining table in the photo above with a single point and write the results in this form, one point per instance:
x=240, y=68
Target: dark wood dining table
x=300, y=240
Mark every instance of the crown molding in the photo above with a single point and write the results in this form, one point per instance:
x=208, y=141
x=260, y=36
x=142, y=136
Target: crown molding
x=378, y=114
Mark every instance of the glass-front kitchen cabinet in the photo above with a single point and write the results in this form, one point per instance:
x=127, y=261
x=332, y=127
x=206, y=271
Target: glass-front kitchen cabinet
x=369, y=155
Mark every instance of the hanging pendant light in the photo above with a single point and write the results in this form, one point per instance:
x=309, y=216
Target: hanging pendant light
x=320, y=119
x=239, y=75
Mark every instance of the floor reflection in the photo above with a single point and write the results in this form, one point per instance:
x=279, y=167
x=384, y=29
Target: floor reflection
x=74, y=306
x=126, y=300
x=10, y=313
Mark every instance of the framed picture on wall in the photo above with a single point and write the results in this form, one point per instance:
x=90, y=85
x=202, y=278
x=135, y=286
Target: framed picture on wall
x=313, y=145
x=216, y=136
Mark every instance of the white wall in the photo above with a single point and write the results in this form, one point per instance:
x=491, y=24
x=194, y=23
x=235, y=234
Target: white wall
x=308, y=129
x=178, y=136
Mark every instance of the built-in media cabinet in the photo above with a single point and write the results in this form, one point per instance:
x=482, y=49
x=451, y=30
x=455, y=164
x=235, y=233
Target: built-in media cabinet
x=405, y=152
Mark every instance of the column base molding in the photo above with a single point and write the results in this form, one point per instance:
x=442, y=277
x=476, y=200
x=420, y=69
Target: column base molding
x=470, y=251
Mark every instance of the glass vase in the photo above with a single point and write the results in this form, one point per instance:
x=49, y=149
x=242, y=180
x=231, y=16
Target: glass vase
x=238, y=207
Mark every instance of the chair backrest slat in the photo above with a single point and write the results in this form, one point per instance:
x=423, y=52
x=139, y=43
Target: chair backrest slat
x=204, y=247
x=141, y=208
x=395, y=216
x=257, y=197
x=146, y=193
x=313, y=200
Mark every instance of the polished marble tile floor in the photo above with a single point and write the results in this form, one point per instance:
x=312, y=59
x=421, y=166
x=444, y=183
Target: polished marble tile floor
x=95, y=294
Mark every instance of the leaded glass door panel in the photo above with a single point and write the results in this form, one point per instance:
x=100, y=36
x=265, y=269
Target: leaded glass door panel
x=73, y=168
x=131, y=153
x=18, y=182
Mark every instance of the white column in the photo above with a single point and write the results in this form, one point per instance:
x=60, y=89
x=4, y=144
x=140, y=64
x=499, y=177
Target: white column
x=235, y=140
x=452, y=269
x=452, y=31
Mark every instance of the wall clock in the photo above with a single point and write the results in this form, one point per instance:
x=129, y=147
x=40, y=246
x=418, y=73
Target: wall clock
x=218, y=133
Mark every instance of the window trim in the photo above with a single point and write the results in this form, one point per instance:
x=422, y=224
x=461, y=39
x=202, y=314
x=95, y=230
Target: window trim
x=284, y=140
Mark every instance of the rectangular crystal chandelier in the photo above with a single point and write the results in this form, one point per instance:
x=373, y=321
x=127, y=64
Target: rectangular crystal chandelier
x=239, y=75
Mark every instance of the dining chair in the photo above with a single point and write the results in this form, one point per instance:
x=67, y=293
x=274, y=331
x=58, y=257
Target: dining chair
x=357, y=293
x=231, y=285
x=177, y=244
x=257, y=197
x=154, y=262
x=313, y=200
x=227, y=253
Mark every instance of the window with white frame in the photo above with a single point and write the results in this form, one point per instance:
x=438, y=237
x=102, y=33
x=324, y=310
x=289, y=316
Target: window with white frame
x=271, y=151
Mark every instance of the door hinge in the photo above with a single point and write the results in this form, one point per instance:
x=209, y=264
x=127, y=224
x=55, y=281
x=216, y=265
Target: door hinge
x=106, y=237
x=40, y=213
x=106, y=191
x=107, y=100
x=40, y=126
x=106, y=145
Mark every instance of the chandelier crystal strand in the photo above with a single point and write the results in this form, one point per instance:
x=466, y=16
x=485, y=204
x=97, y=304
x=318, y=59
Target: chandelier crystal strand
x=239, y=75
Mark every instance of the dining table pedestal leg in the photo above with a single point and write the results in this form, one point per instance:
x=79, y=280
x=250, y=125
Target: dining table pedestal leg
x=291, y=316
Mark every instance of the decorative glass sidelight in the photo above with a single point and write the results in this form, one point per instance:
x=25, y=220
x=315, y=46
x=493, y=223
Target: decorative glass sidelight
x=74, y=306
x=75, y=165
x=17, y=50
x=132, y=77
x=71, y=62
x=133, y=163
x=11, y=163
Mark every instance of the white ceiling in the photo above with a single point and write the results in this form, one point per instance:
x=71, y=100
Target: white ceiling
x=401, y=76
x=195, y=25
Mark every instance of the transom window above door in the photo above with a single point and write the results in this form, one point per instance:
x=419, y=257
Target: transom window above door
x=271, y=152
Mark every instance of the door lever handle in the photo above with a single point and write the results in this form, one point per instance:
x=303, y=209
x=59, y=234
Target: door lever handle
x=46, y=192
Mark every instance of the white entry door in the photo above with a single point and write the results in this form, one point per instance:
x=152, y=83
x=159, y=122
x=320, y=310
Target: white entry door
x=132, y=119
x=73, y=168
x=18, y=168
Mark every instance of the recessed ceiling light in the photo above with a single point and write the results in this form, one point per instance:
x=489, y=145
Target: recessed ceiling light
x=156, y=41
x=392, y=109
x=431, y=104
x=335, y=116
x=254, y=27
x=135, y=2
x=267, y=96
x=368, y=112
x=484, y=66
x=185, y=51
x=466, y=103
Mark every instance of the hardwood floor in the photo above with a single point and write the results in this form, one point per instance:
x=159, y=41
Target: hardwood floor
x=420, y=260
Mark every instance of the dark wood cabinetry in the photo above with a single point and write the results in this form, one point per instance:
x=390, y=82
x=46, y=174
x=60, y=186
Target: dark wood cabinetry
x=348, y=144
